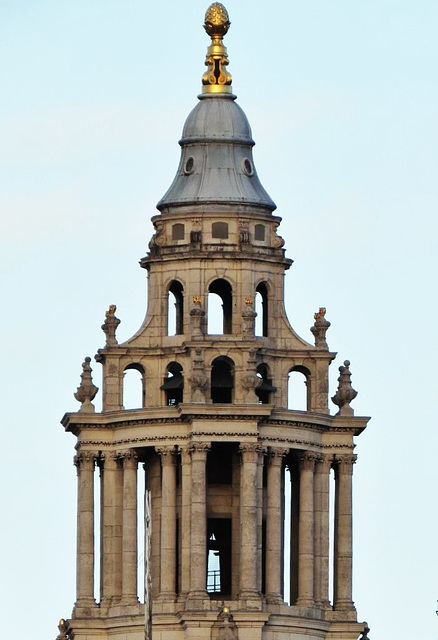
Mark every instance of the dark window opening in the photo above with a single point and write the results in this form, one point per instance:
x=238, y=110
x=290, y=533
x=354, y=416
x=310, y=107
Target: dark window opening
x=173, y=384
x=219, y=556
x=261, y=304
x=220, y=464
x=264, y=390
x=178, y=231
x=219, y=230
x=220, y=288
x=259, y=232
x=175, y=309
x=221, y=381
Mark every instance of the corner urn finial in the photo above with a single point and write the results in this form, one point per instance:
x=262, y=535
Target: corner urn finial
x=216, y=23
x=86, y=392
x=345, y=393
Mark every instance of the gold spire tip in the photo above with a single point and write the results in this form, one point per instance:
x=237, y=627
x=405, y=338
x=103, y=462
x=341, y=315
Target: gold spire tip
x=216, y=23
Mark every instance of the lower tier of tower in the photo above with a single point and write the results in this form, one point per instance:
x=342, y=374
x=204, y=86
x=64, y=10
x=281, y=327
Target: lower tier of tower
x=215, y=620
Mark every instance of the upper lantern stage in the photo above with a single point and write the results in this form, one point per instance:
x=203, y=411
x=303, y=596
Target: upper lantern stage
x=216, y=165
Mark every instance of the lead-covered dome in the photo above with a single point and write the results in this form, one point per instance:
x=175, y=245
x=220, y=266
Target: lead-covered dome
x=216, y=163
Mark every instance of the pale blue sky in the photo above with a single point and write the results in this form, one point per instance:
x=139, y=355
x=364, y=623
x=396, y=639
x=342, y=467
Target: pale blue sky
x=342, y=98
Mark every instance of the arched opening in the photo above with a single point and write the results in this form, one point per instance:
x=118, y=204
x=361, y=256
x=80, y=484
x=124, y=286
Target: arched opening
x=263, y=392
x=261, y=307
x=222, y=380
x=219, y=306
x=178, y=231
x=175, y=309
x=134, y=390
x=298, y=389
x=173, y=384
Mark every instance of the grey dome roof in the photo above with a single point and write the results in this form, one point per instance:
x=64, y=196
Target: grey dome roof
x=216, y=163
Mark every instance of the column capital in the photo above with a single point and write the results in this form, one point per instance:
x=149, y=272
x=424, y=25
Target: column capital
x=307, y=461
x=129, y=458
x=199, y=449
x=323, y=462
x=85, y=458
x=276, y=455
x=251, y=451
x=167, y=454
x=109, y=459
x=344, y=462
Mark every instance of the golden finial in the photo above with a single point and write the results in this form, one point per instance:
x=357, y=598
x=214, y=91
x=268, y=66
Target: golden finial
x=216, y=23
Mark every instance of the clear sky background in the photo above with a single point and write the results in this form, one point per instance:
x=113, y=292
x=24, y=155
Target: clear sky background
x=343, y=101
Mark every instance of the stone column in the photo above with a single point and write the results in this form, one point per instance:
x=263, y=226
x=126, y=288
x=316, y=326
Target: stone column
x=111, y=529
x=168, y=523
x=274, y=527
x=249, y=562
x=198, y=549
x=186, y=492
x=84, y=462
x=129, y=533
x=343, y=549
x=322, y=478
x=306, y=533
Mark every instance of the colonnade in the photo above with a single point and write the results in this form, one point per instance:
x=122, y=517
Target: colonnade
x=309, y=516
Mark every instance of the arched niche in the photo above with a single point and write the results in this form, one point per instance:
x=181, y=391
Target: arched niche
x=219, y=312
x=261, y=308
x=298, y=388
x=134, y=388
x=265, y=390
x=178, y=231
x=175, y=309
x=222, y=380
x=173, y=384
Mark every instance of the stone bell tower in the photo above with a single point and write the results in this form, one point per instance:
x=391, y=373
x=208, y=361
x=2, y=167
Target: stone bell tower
x=221, y=455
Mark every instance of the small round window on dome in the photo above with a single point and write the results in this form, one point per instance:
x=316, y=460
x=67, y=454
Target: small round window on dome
x=189, y=165
x=248, y=169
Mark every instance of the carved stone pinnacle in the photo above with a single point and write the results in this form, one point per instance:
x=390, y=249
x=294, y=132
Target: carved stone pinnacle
x=86, y=391
x=345, y=393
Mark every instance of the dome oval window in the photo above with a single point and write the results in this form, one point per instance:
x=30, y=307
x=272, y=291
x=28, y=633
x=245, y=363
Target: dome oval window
x=248, y=168
x=189, y=166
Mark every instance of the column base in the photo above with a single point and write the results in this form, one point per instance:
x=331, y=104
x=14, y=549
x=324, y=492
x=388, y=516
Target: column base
x=129, y=600
x=274, y=598
x=305, y=602
x=249, y=599
x=167, y=596
x=323, y=604
x=344, y=605
x=196, y=598
x=84, y=608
